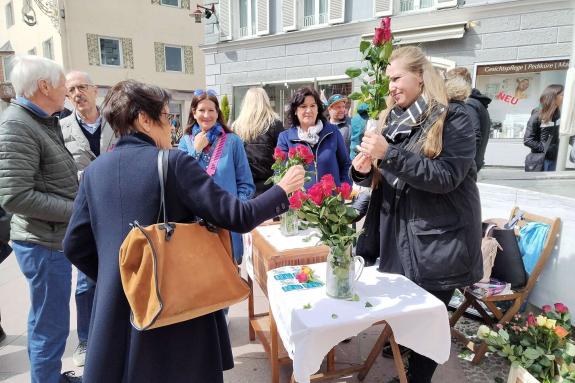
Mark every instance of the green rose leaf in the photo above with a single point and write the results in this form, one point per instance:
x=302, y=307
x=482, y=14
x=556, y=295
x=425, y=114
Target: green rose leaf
x=333, y=316
x=367, y=304
x=353, y=72
x=307, y=306
x=364, y=45
x=532, y=353
x=356, y=96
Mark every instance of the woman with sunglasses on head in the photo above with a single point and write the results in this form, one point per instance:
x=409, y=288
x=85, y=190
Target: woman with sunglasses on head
x=219, y=151
x=259, y=127
x=309, y=127
x=122, y=186
x=421, y=164
x=542, y=132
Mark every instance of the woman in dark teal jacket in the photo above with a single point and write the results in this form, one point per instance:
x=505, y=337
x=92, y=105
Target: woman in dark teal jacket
x=309, y=127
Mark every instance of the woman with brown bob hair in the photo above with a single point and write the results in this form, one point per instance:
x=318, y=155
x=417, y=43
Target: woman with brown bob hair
x=421, y=165
x=122, y=186
x=219, y=151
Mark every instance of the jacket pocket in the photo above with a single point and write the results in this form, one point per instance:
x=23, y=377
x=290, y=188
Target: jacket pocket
x=439, y=247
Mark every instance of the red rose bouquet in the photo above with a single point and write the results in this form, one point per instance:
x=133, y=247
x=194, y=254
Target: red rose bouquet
x=297, y=155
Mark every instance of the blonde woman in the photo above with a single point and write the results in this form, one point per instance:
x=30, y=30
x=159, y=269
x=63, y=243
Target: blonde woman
x=259, y=127
x=430, y=221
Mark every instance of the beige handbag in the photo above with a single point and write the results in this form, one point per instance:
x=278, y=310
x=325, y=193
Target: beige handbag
x=173, y=272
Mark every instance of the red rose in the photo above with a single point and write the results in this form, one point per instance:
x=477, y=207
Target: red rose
x=327, y=184
x=382, y=33
x=531, y=321
x=279, y=154
x=316, y=194
x=305, y=153
x=345, y=190
x=561, y=308
x=297, y=198
x=546, y=309
x=292, y=152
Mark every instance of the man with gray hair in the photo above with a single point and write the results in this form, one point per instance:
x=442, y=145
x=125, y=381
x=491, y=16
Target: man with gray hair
x=86, y=135
x=38, y=184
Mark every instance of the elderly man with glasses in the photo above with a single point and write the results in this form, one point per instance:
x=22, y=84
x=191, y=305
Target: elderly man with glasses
x=38, y=184
x=86, y=136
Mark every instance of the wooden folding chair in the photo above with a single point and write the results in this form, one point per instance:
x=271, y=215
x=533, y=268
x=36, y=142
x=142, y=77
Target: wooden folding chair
x=497, y=315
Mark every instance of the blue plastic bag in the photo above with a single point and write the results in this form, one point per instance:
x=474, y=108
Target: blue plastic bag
x=531, y=240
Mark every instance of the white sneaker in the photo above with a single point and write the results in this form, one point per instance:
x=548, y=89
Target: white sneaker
x=79, y=356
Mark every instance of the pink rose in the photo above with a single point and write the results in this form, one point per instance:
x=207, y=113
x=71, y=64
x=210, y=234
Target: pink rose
x=345, y=190
x=316, y=194
x=561, y=308
x=327, y=184
x=382, y=33
x=546, y=309
x=302, y=277
x=279, y=154
x=531, y=321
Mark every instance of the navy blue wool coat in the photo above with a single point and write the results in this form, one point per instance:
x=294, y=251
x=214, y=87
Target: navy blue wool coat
x=122, y=186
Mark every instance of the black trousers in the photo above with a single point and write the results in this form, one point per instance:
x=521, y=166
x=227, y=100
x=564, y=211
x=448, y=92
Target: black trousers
x=421, y=368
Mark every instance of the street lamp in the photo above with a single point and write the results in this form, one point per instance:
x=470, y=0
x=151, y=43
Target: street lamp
x=202, y=11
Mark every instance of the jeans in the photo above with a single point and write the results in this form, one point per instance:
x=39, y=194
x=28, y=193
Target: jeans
x=421, y=368
x=549, y=165
x=49, y=276
x=85, y=289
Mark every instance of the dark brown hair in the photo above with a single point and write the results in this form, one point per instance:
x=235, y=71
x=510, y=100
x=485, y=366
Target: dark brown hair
x=297, y=99
x=127, y=99
x=548, y=102
x=195, y=102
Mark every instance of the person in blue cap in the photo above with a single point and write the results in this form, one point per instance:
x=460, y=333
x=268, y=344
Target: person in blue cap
x=336, y=107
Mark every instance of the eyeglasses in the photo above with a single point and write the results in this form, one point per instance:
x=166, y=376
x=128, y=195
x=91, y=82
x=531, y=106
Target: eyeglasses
x=80, y=88
x=201, y=92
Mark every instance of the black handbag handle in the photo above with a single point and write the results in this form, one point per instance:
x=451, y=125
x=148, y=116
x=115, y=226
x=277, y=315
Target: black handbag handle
x=163, y=156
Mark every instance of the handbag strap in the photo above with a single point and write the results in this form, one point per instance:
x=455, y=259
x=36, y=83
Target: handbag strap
x=163, y=156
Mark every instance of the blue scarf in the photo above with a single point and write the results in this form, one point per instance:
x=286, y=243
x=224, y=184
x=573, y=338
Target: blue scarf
x=212, y=134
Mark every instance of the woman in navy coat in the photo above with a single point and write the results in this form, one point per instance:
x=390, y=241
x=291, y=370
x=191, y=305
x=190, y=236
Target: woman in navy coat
x=122, y=186
x=309, y=127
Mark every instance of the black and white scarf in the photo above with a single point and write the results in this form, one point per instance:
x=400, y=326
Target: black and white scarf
x=400, y=122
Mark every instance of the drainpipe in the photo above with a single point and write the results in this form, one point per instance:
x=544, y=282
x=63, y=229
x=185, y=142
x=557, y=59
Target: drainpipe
x=567, y=110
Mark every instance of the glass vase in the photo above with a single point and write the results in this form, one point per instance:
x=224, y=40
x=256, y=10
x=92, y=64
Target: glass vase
x=342, y=272
x=289, y=222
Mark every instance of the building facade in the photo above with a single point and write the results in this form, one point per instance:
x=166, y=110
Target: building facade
x=155, y=41
x=510, y=46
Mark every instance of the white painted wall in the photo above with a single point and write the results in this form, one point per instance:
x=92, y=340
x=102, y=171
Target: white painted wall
x=555, y=282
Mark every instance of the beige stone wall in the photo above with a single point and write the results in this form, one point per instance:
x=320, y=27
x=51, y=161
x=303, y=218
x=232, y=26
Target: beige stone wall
x=23, y=37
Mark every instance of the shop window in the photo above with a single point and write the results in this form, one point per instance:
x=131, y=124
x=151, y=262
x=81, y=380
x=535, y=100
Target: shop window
x=515, y=89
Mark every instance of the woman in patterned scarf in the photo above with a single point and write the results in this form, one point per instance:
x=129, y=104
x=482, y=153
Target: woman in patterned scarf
x=421, y=162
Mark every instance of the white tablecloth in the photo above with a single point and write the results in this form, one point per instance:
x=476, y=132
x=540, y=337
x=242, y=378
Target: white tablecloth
x=418, y=319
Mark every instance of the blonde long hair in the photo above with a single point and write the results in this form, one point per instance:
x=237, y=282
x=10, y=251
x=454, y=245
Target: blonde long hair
x=414, y=60
x=256, y=115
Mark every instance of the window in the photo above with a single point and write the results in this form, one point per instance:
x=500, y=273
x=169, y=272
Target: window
x=7, y=65
x=174, y=59
x=32, y=52
x=110, y=51
x=314, y=12
x=9, y=10
x=414, y=5
x=247, y=18
x=171, y=3
x=48, y=49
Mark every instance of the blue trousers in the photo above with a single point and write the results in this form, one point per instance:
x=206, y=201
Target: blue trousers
x=84, y=295
x=549, y=165
x=49, y=276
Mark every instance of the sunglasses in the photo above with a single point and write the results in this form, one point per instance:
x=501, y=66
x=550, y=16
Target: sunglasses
x=201, y=92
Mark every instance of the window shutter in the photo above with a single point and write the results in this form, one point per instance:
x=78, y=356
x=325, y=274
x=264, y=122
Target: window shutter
x=446, y=4
x=263, y=17
x=127, y=53
x=189, y=59
x=225, y=20
x=93, y=49
x=160, y=56
x=336, y=11
x=382, y=8
x=289, y=15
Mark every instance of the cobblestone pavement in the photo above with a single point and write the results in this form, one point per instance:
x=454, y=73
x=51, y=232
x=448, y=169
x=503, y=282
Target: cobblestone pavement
x=492, y=368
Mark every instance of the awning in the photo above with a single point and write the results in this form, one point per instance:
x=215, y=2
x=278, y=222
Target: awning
x=428, y=33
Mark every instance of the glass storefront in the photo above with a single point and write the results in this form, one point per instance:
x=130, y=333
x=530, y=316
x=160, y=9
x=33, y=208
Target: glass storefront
x=515, y=89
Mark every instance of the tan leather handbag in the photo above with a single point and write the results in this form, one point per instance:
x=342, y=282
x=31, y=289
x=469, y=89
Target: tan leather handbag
x=173, y=272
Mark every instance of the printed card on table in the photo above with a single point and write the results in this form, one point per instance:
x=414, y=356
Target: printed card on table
x=286, y=277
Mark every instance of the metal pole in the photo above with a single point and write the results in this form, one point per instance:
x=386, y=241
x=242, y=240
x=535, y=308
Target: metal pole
x=567, y=110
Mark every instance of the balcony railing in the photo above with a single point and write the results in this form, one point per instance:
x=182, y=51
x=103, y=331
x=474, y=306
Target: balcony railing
x=310, y=20
x=413, y=5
